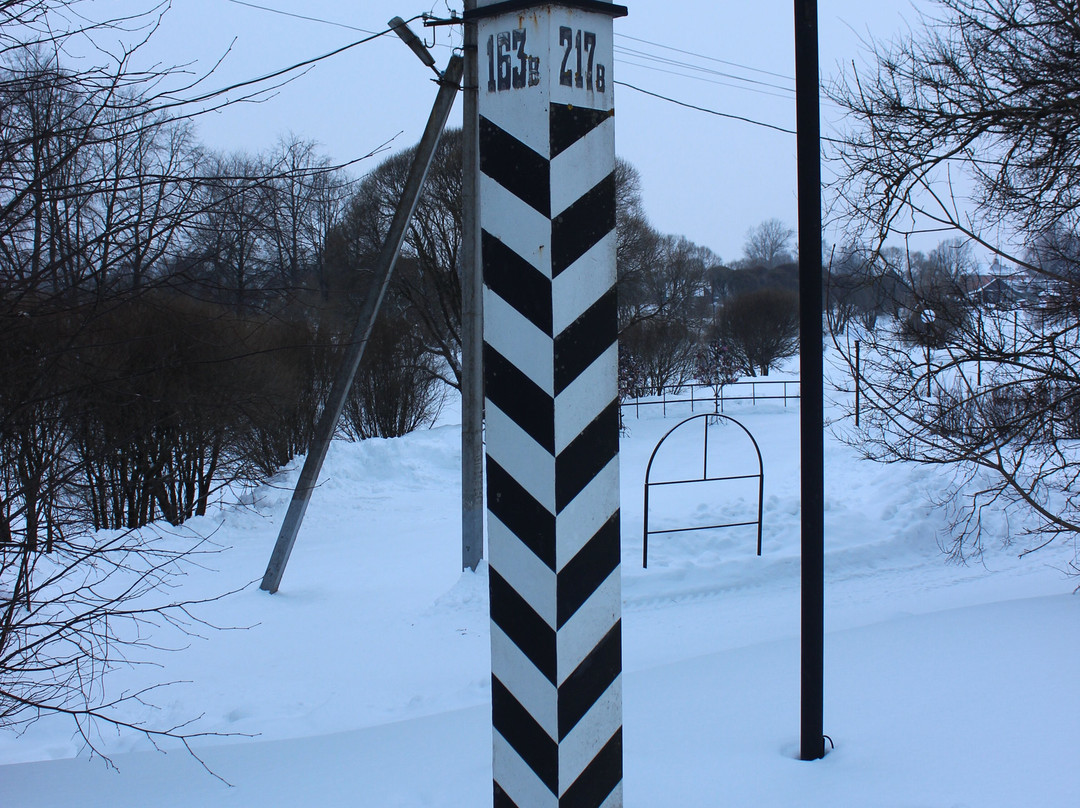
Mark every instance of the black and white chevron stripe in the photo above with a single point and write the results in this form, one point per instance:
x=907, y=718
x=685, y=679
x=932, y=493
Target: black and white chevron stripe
x=550, y=355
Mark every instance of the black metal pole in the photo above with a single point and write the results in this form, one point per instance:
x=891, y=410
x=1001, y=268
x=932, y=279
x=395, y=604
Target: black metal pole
x=808, y=124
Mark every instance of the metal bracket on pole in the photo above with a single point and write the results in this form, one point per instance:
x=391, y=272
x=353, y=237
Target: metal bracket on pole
x=472, y=327
x=384, y=267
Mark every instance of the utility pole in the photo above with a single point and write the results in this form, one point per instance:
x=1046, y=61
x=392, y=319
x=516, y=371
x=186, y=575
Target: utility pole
x=547, y=185
x=811, y=363
x=472, y=324
x=449, y=82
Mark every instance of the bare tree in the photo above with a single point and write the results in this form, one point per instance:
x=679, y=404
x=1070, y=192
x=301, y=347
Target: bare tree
x=658, y=277
x=978, y=100
x=662, y=307
x=99, y=188
x=306, y=199
x=69, y=616
x=429, y=281
x=768, y=244
x=637, y=249
x=92, y=193
x=760, y=327
x=660, y=351
x=666, y=281
x=230, y=236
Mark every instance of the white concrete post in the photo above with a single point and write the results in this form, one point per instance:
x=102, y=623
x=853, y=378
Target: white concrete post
x=547, y=202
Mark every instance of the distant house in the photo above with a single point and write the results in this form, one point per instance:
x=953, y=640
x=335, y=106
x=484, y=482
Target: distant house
x=998, y=288
x=995, y=292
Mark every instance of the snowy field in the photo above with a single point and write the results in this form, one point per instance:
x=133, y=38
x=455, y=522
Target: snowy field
x=364, y=681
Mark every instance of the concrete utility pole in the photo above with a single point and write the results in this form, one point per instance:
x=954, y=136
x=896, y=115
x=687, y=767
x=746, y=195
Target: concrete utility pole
x=811, y=372
x=547, y=185
x=472, y=325
x=384, y=267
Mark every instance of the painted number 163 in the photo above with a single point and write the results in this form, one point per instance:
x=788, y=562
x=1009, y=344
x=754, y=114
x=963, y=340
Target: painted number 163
x=509, y=66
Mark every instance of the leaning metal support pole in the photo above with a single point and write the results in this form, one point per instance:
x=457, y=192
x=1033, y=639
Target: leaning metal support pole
x=811, y=371
x=472, y=324
x=384, y=267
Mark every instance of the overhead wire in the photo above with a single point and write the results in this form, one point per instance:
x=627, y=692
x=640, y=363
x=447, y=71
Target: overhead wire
x=690, y=66
x=705, y=79
x=284, y=70
x=748, y=84
x=706, y=57
x=626, y=50
x=374, y=34
x=641, y=54
x=636, y=53
x=346, y=26
x=967, y=159
x=300, y=16
x=732, y=116
x=321, y=20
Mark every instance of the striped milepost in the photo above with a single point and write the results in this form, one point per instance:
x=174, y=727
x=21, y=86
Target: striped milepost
x=547, y=212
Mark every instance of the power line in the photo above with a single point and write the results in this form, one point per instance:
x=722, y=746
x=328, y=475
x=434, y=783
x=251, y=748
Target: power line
x=626, y=50
x=705, y=79
x=320, y=20
x=280, y=72
x=632, y=51
x=707, y=110
x=300, y=16
x=709, y=58
x=690, y=66
x=929, y=159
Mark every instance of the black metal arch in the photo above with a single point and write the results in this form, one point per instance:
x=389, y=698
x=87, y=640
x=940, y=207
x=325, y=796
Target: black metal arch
x=760, y=476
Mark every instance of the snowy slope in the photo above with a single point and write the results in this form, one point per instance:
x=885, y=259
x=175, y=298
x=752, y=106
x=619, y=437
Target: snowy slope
x=365, y=679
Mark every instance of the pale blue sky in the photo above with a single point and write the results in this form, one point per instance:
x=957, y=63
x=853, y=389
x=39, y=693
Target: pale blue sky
x=705, y=177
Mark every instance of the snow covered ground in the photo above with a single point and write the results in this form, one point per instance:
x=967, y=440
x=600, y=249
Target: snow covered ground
x=364, y=681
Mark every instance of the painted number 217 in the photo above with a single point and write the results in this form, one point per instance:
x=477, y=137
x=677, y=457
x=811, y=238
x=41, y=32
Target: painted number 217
x=579, y=68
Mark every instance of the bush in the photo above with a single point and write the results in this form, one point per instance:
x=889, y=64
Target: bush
x=397, y=389
x=661, y=353
x=1038, y=413
x=760, y=327
x=716, y=365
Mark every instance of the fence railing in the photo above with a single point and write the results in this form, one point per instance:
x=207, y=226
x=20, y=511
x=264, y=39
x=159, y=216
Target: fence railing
x=702, y=395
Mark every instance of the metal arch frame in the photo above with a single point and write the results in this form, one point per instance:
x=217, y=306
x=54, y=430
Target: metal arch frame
x=704, y=478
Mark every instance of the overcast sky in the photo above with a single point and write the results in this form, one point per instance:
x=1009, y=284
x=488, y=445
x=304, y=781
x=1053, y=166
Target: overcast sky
x=705, y=177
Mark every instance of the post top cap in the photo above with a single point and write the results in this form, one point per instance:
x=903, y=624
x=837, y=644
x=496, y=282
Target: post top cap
x=491, y=8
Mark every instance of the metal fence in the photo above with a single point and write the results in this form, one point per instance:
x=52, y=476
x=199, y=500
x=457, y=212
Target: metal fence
x=703, y=396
